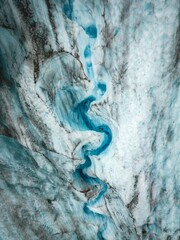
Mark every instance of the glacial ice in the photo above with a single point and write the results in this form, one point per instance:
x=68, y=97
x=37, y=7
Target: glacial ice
x=89, y=121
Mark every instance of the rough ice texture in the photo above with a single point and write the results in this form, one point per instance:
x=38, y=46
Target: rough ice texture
x=89, y=119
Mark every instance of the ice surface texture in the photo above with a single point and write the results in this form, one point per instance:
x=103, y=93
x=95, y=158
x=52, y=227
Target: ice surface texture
x=89, y=121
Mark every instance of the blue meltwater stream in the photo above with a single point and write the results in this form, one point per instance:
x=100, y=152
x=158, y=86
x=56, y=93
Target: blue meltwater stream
x=82, y=111
x=81, y=170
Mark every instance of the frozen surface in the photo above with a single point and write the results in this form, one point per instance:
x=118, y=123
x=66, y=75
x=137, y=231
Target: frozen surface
x=89, y=120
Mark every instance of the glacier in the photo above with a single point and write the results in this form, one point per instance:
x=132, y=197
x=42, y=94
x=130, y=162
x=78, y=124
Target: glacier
x=89, y=119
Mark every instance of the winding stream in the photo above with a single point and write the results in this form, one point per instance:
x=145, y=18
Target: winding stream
x=81, y=170
x=82, y=111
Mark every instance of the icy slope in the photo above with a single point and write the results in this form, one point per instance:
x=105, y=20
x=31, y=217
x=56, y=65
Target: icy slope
x=89, y=121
